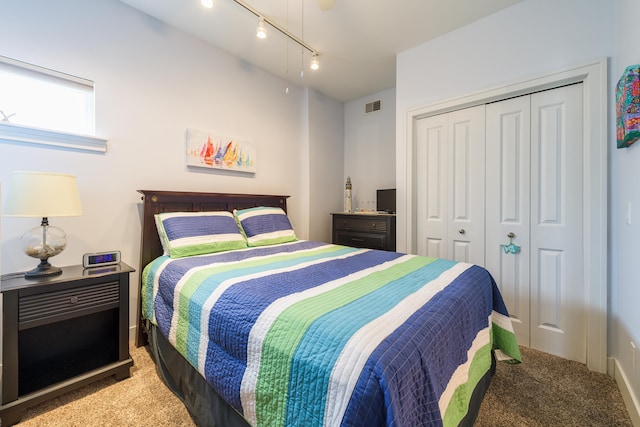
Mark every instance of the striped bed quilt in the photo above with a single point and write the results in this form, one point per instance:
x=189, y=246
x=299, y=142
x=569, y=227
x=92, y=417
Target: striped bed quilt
x=314, y=334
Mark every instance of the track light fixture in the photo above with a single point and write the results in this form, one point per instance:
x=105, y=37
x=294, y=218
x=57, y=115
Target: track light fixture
x=261, y=32
x=207, y=3
x=315, y=64
x=264, y=20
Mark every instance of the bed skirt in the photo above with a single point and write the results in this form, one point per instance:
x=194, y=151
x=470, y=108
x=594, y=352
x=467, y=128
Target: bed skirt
x=206, y=406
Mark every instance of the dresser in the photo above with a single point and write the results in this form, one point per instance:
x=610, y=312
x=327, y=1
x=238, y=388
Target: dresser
x=361, y=230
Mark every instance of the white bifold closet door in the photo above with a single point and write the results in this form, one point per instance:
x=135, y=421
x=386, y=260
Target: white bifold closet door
x=450, y=173
x=534, y=193
x=512, y=168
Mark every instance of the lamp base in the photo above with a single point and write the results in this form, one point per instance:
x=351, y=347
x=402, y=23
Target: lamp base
x=44, y=269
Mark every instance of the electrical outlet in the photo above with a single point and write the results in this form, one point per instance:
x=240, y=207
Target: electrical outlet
x=633, y=356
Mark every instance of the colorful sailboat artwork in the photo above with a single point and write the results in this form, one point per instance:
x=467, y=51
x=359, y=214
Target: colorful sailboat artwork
x=206, y=149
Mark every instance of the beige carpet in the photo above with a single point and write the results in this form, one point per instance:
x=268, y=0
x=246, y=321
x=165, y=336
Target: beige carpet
x=542, y=391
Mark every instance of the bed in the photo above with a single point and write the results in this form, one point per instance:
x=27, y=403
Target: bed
x=266, y=329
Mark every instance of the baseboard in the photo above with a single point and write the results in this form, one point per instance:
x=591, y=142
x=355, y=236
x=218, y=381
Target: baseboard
x=133, y=332
x=630, y=400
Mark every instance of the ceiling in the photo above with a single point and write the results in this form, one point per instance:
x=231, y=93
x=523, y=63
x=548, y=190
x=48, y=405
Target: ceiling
x=357, y=40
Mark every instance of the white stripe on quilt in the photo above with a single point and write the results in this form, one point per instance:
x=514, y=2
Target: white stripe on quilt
x=358, y=349
x=461, y=374
x=270, y=314
x=223, y=286
x=502, y=321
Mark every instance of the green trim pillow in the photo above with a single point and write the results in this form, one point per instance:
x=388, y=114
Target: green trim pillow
x=265, y=226
x=195, y=233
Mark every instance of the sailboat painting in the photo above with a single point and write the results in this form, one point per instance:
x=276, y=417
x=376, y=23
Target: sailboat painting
x=209, y=150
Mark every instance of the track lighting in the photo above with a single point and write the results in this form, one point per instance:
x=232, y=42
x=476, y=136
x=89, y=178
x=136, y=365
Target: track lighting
x=314, y=62
x=261, y=32
x=265, y=20
x=207, y=3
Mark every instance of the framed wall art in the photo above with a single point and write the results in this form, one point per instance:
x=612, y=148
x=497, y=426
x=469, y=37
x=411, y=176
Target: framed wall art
x=210, y=150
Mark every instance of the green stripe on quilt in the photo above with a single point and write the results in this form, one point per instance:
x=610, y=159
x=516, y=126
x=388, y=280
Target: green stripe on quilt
x=506, y=341
x=274, y=376
x=459, y=403
x=250, y=266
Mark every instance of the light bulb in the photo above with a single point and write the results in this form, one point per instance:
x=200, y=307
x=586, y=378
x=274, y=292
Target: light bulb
x=261, y=33
x=314, y=62
x=207, y=3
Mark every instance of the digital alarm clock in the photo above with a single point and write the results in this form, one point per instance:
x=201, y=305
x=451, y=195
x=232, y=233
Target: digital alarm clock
x=99, y=259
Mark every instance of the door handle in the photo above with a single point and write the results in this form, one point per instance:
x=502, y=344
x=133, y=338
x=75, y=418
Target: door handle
x=461, y=231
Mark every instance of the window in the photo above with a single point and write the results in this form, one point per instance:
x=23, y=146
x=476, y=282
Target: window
x=44, y=105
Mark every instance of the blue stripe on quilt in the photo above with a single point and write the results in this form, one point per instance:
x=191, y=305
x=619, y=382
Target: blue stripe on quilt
x=433, y=371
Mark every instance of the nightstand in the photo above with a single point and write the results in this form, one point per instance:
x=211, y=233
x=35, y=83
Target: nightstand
x=361, y=230
x=61, y=333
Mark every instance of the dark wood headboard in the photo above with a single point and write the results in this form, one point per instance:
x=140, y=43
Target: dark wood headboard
x=155, y=202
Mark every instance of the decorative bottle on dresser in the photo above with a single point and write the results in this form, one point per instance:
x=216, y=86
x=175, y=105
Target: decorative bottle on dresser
x=347, y=196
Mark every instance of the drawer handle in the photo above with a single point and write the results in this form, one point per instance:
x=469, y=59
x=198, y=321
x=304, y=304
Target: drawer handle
x=73, y=299
x=373, y=225
x=357, y=240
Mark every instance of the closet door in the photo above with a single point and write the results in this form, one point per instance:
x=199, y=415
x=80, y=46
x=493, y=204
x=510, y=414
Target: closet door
x=534, y=193
x=431, y=175
x=450, y=185
x=508, y=206
x=467, y=185
x=558, y=297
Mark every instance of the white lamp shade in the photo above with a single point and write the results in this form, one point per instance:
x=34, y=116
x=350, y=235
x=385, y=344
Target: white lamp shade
x=42, y=194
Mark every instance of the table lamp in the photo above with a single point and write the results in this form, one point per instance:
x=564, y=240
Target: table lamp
x=43, y=195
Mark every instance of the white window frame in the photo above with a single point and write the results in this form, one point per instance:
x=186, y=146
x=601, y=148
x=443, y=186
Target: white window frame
x=29, y=135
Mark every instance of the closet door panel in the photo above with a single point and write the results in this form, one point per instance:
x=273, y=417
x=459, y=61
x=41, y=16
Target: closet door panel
x=508, y=205
x=466, y=185
x=558, y=302
x=431, y=176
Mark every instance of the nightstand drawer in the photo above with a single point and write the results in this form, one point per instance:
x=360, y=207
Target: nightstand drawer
x=368, y=223
x=65, y=304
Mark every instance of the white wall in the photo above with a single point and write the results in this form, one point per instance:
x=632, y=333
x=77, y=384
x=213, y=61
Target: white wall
x=326, y=163
x=625, y=297
x=369, y=148
x=152, y=83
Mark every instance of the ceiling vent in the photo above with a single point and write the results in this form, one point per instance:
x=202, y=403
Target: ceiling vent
x=373, y=106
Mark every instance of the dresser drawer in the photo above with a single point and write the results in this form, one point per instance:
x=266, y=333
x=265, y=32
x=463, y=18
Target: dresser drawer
x=368, y=223
x=361, y=240
x=47, y=307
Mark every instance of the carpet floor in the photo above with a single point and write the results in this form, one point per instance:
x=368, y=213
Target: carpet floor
x=542, y=391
